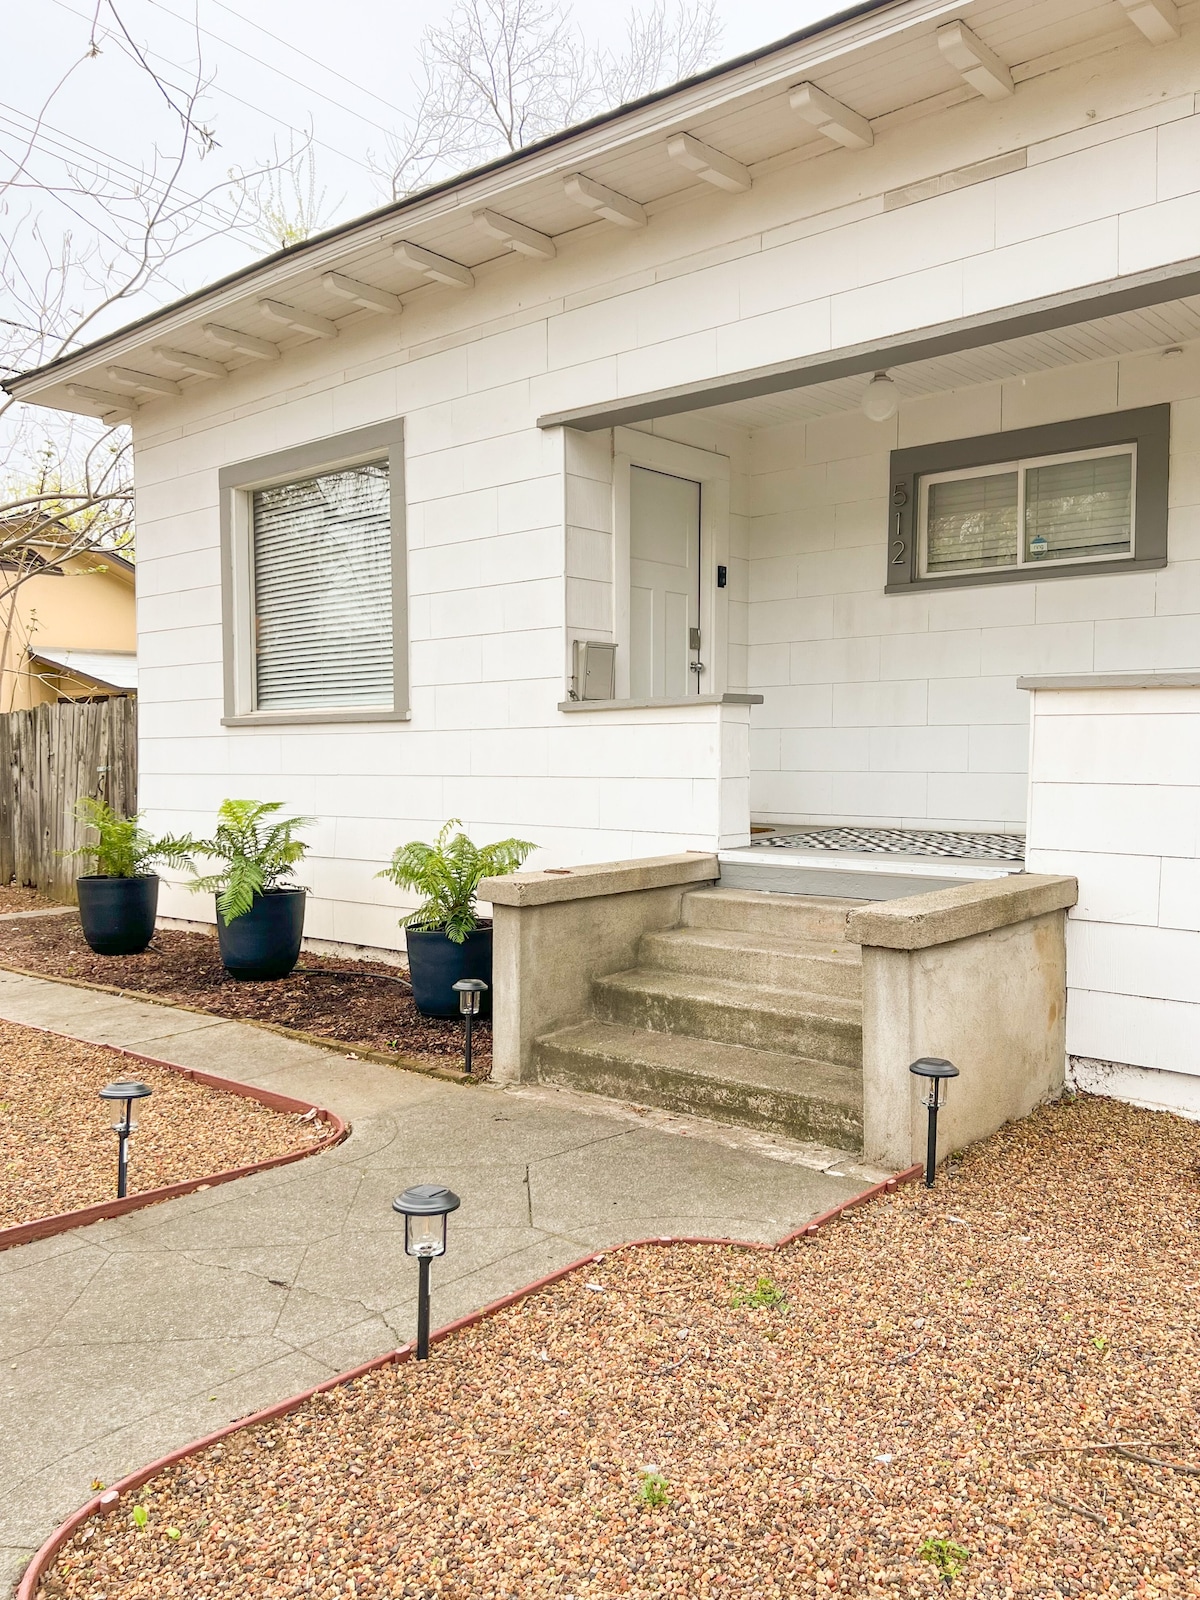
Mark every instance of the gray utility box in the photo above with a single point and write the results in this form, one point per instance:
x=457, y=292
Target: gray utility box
x=595, y=670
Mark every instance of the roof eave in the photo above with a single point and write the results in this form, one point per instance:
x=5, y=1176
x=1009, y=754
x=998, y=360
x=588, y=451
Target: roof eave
x=325, y=249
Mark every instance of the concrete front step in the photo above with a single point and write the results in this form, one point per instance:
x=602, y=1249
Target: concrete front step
x=808, y=965
x=789, y=916
x=820, y=1027
x=779, y=1093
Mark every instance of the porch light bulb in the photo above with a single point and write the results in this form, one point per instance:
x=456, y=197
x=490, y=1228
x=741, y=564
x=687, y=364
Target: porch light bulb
x=881, y=398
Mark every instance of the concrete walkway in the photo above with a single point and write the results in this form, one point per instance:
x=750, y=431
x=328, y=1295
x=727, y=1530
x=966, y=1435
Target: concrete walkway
x=124, y=1340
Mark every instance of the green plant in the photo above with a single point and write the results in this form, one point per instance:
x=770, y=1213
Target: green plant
x=123, y=848
x=949, y=1558
x=141, y=1518
x=763, y=1296
x=448, y=873
x=653, y=1490
x=258, y=852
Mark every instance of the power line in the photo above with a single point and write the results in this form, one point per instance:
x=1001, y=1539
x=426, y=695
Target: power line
x=324, y=66
x=278, y=71
x=343, y=155
x=63, y=146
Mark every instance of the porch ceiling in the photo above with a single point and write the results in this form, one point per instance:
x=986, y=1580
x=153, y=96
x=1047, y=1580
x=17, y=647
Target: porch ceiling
x=1141, y=311
x=1158, y=327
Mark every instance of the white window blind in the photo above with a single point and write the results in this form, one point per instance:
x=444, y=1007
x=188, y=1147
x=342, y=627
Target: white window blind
x=1079, y=508
x=972, y=522
x=322, y=563
x=1076, y=508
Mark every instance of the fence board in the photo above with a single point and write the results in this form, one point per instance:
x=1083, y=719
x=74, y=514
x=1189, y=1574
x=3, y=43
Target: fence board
x=50, y=757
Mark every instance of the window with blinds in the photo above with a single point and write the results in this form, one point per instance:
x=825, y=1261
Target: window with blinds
x=1054, y=509
x=322, y=573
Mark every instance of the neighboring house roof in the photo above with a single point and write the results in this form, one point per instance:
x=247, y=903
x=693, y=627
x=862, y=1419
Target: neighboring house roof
x=108, y=669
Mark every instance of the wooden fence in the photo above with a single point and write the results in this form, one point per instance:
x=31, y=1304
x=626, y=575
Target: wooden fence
x=49, y=758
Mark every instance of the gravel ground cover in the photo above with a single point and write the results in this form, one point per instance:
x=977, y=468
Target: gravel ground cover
x=367, y=1008
x=57, y=1148
x=993, y=1384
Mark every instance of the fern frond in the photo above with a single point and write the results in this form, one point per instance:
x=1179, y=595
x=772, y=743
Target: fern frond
x=258, y=849
x=447, y=874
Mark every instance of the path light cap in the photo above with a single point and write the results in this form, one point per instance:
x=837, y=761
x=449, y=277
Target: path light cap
x=933, y=1067
x=125, y=1091
x=425, y=1208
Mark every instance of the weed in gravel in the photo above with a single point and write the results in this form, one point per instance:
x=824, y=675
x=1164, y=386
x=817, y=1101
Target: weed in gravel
x=949, y=1558
x=141, y=1518
x=653, y=1490
x=763, y=1297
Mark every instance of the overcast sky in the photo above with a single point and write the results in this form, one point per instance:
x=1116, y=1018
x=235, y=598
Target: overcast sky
x=281, y=70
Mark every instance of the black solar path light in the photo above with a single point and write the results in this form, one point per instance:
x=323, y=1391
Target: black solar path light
x=425, y=1208
x=470, y=992
x=128, y=1092
x=937, y=1074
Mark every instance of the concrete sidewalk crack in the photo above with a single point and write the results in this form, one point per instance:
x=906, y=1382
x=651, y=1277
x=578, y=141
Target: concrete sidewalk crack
x=585, y=1144
x=75, y=1299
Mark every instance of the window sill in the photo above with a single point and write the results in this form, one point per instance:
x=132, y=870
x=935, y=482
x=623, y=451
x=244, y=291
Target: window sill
x=302, y=719
x=662, y=705
x=983, y=580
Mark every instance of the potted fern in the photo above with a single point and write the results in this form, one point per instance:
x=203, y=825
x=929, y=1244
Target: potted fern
x=260, y=917
x=446, y=940
x=118, y=900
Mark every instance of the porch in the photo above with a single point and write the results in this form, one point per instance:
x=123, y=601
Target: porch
x=843, y=700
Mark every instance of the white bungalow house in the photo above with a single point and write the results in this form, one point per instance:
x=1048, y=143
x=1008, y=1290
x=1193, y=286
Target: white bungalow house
x=844, y=402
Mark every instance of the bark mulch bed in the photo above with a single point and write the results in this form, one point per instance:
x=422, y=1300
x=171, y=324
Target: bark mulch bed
x=367, y=1008
x=57, y=1148
x=1008, y=1365
x=15, y=898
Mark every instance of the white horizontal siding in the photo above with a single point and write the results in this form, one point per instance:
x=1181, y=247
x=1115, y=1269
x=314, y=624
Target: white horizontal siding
x=900, y=708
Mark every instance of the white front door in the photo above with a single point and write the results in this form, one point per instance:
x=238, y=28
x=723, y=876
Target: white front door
x=664, y=585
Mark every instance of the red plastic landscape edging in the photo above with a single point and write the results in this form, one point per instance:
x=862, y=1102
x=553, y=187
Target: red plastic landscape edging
x=47, y=1227
x=111, y=1497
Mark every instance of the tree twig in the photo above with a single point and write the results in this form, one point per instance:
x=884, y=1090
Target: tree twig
x=1156, y=1461
x=857, y=1482
x=1080, y=1511
x=1094, y=1444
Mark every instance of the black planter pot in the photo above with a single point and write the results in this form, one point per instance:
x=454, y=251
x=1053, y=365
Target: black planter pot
x=265, y=942
x=118, y=913
x=436, y=963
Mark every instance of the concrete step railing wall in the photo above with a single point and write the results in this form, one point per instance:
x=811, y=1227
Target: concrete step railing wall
x=975, y=973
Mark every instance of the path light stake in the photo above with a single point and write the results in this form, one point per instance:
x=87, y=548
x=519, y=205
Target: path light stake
x=425, y=1208
x=129, y=1092
x=937, y=1074
x=470, y=996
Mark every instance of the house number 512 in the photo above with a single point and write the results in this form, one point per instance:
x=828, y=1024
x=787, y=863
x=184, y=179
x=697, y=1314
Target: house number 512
x=899, y=543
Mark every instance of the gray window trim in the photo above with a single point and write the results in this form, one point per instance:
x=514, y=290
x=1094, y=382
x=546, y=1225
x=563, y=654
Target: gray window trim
x=1149, y=427
x=381, y=441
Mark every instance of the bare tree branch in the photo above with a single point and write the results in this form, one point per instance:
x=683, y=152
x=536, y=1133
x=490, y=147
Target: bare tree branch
x=83, y=233
x=500, y=74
